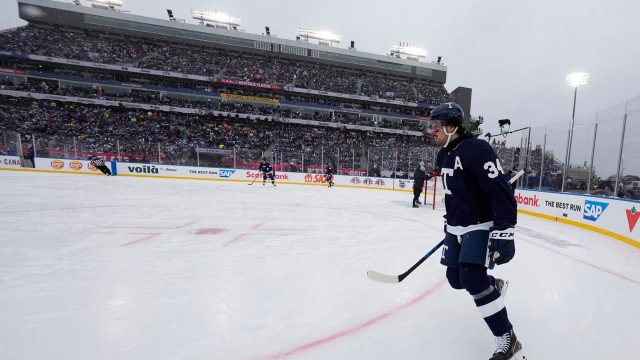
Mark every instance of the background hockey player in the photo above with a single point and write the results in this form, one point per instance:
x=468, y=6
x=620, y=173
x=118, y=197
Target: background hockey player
x=100, y=165
x=267, y=171
x=480, y=220
x=329, y=175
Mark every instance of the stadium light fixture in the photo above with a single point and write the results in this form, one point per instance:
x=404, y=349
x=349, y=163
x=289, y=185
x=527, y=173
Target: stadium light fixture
x=215, y=17
x=106, y=3
x=322, y=36
x=575, y=79
x=412, y=52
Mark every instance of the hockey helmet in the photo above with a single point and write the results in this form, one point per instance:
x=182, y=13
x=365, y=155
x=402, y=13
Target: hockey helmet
x=448, y=113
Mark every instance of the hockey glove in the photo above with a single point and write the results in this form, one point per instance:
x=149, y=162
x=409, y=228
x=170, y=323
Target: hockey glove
x=502, y=248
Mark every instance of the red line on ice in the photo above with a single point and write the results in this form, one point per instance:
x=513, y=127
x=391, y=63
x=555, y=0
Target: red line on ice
x=237, y=238
x=330, y=338
x=585, y=262
x=141, y=239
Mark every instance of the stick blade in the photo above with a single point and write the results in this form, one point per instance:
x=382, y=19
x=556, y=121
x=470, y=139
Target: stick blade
x=376, y=276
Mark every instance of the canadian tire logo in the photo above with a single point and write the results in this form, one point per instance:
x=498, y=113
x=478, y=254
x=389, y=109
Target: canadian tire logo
x=75, y=165
x=632, y=217
x=57, y=164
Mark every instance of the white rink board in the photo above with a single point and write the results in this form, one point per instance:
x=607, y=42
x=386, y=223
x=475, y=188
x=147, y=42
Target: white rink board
x=66, y=165
x=244, y=175
x=10, y=162
x=609, y=216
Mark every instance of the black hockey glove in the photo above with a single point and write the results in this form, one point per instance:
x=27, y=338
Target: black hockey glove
x=502, y=248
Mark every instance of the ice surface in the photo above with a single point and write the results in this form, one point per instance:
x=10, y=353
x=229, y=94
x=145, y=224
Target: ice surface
x=123, y=268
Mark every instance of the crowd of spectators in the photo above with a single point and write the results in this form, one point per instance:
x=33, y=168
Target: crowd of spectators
x=157, y=98
x=145, y=53
x=62, y=127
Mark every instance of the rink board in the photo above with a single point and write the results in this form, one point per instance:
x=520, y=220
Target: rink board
x=617, y=218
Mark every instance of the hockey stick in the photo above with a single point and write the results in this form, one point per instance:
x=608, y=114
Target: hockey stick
x=254, y=179
x=392, y=279
x=516, y=176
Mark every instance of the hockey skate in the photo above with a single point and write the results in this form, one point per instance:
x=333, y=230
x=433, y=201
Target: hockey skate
x=502, y=286
x=508, y=347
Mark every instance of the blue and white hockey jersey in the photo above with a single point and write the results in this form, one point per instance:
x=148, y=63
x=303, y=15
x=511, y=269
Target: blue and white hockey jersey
x=477, y=195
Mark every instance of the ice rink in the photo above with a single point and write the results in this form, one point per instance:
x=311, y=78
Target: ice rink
x=134, y=268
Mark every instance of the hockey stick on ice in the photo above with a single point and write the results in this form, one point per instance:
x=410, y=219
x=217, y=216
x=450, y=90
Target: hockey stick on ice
x=254, y=179
x=376, y=276
x=391, y=279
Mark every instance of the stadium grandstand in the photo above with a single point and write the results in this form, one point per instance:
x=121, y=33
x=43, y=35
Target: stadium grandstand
x=80, y=80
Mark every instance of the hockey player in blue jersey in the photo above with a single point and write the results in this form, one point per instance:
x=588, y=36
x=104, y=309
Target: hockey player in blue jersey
x=479, y=223
x=267, y=171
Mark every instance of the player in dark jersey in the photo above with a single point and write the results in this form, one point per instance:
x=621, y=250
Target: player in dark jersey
x=100, y=165
x=480, y=222
x=329, y=173
x=267, y=171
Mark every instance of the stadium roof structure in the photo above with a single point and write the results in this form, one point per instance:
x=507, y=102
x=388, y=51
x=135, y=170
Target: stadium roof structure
x=55, y=13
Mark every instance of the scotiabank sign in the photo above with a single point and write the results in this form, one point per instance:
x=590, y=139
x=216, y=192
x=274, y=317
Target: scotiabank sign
x=256, y=175
x=527, y=200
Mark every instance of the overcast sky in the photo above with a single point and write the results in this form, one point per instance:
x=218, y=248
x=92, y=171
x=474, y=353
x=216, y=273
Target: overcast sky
x=513, y=53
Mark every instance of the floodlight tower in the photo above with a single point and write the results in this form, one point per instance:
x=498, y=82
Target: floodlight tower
x=324, y=37
x=574, y=80
x=216, y=19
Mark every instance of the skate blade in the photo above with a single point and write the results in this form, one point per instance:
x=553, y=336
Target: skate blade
x=519, y=354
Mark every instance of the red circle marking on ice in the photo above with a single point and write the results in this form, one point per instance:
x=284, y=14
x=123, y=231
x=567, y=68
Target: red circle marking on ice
x=210, y=231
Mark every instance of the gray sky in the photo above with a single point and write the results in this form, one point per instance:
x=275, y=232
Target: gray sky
x=514, y=54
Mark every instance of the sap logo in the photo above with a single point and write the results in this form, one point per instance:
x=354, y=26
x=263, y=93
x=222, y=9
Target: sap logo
x=225, y=173
x=144, y=169
x=593, y=209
